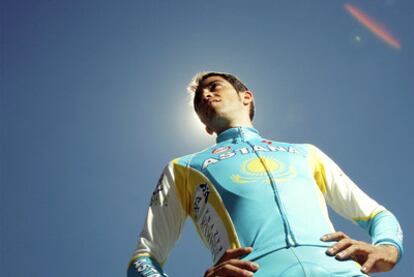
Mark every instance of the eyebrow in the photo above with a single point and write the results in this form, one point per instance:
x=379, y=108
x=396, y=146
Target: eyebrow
x=214, y=82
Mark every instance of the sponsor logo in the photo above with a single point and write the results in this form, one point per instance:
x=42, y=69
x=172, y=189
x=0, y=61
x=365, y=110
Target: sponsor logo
x=266, y=141
x=200, y=199
x=247, y=150
x=157, y=198
x=146, y=269
x=221, y=150
x=207, y=219
x=211, y=233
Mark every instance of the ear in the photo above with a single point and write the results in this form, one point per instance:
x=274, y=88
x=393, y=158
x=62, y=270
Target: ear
x=247, y=97
x=209, y=131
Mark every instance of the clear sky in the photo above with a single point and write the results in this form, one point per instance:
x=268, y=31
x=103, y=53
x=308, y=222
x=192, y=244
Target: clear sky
x=93, y=106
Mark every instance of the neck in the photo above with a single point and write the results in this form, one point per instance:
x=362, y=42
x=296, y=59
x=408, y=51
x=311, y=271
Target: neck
x=232, y=124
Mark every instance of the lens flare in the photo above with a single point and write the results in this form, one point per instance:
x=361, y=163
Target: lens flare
x=373, y=26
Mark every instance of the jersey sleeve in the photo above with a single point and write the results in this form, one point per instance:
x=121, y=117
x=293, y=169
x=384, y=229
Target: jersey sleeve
x=162, y=228
x=348, y=200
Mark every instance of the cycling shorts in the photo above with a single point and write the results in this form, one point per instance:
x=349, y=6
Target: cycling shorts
x=304, y=261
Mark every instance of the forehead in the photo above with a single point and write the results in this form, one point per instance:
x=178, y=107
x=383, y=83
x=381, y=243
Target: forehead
x=212, y=79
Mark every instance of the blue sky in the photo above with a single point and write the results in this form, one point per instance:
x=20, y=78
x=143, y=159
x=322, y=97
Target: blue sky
x=93, y=106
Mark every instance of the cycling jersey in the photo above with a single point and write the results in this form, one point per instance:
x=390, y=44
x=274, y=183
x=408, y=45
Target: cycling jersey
x=249, y=191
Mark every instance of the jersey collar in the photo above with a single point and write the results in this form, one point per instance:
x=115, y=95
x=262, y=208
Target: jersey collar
x=243, y=133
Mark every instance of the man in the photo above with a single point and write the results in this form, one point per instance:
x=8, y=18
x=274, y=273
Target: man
x=260, y=205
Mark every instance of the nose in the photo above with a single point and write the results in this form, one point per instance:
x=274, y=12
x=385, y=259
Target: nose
x=207, y=95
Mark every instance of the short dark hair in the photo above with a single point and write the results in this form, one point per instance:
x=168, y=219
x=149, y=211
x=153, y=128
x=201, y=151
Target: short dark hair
x=193, y=87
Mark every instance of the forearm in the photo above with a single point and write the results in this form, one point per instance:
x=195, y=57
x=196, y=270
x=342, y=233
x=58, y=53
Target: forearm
x=162, y=227
x=384, y=229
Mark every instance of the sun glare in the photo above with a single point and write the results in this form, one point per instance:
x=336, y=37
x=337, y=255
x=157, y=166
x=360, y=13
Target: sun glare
x=192, y=130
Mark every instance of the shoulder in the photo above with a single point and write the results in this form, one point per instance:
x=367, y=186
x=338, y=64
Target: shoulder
x=189, y=159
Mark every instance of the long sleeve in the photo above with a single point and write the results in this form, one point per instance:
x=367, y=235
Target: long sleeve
x=348, y=200
x=162, y=228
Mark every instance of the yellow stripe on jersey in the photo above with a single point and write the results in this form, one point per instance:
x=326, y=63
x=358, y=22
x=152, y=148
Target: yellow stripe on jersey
x=196, y=178
x=187, y=180
x=318, y=169
x=139, y=255
x=180, y=182
x=366, y=218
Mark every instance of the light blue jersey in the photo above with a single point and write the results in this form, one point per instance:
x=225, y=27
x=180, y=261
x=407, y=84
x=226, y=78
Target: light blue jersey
x=249, y=191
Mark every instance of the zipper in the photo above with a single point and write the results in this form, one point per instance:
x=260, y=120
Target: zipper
x=290, y=239
x=241, y=134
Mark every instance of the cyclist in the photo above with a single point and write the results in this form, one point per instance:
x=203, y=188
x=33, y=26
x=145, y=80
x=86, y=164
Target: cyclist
x=260, y=205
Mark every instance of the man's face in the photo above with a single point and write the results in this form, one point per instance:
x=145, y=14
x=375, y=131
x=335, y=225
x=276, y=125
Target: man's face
x=217, y=100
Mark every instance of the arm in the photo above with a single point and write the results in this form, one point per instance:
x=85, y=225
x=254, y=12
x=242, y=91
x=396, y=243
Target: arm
x=351, y=202
x=165, y=219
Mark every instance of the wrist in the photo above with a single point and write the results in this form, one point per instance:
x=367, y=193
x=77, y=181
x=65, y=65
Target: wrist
x=391, y=252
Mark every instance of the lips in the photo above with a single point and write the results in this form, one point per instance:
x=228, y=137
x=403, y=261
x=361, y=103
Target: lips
x=214, y=100
x=208, y=106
